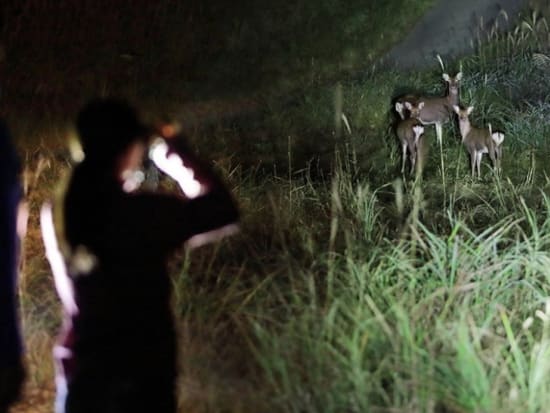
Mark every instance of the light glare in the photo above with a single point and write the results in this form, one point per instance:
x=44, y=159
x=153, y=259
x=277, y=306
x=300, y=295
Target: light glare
x=63, y=283
x=172, y=165
x=132, y=180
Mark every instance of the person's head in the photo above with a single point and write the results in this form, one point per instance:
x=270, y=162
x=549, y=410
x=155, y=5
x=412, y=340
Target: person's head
x=108, y=129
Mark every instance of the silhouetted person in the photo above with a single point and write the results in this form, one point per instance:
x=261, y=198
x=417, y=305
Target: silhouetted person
x=11, y=365
x=118, y=352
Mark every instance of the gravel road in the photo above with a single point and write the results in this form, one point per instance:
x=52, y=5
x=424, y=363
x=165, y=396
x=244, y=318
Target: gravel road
x=449, y=28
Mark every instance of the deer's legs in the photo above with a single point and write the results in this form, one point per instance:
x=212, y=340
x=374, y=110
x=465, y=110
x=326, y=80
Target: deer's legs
x=404, y=157
x=413, y=160
x=439, y=133
x=479, y=156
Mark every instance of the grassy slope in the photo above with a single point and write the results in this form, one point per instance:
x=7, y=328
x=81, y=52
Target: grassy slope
x=367, y=296
x=415, y=298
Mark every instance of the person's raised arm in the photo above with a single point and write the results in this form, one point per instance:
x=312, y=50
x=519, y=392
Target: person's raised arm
x=214, y=213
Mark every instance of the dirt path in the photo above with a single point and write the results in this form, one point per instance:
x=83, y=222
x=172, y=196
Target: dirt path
x=448, y=29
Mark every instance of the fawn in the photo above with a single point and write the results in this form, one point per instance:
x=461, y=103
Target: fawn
x=434, y=110
x=400, y=105
x=479, y=141
x=409, y=132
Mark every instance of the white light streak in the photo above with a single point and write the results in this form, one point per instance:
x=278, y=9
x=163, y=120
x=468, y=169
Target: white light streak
x=172, y=165
x=211, y=236
x=132, y=180
x=62, y=390
x=63, y=283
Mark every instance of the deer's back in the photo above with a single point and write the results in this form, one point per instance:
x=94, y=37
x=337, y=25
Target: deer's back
x=404, y=129
x=479, y=139
x=435, y=109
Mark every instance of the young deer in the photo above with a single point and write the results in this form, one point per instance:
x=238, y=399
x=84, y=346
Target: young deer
x=435, y=110
x=401, y=108
x=479, y=141
x=409, y=132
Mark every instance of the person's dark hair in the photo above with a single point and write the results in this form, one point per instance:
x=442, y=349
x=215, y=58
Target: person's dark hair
x=107, y=126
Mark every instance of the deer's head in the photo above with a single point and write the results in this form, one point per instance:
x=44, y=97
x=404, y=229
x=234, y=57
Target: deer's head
x=453, y=82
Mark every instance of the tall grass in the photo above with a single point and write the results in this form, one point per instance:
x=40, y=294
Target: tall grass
x=454, y=322
x=419, y=305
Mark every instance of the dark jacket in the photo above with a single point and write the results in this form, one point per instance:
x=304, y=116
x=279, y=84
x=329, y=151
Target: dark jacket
x=132, y=237
x=10, y=195
x=123, y=333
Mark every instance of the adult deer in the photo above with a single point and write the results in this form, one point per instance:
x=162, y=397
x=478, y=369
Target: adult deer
x=434, y=110
x=479, y=141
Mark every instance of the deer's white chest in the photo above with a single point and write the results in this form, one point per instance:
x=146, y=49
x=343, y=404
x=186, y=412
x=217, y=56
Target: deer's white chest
x=465, y=128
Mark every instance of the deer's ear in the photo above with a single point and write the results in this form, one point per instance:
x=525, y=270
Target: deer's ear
x=446, y=77
x=398, y=107
x=407, y=105
x=470, y=109
x=458, y=76
x=456, y=109
x=420, y=105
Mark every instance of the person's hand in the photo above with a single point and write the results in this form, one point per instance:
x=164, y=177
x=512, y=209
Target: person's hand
x=11, y=384
x=22, y=219
x=172, y=164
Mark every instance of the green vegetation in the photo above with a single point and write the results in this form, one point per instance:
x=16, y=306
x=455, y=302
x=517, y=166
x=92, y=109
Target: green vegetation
x=410, y=297
x=351, y=288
